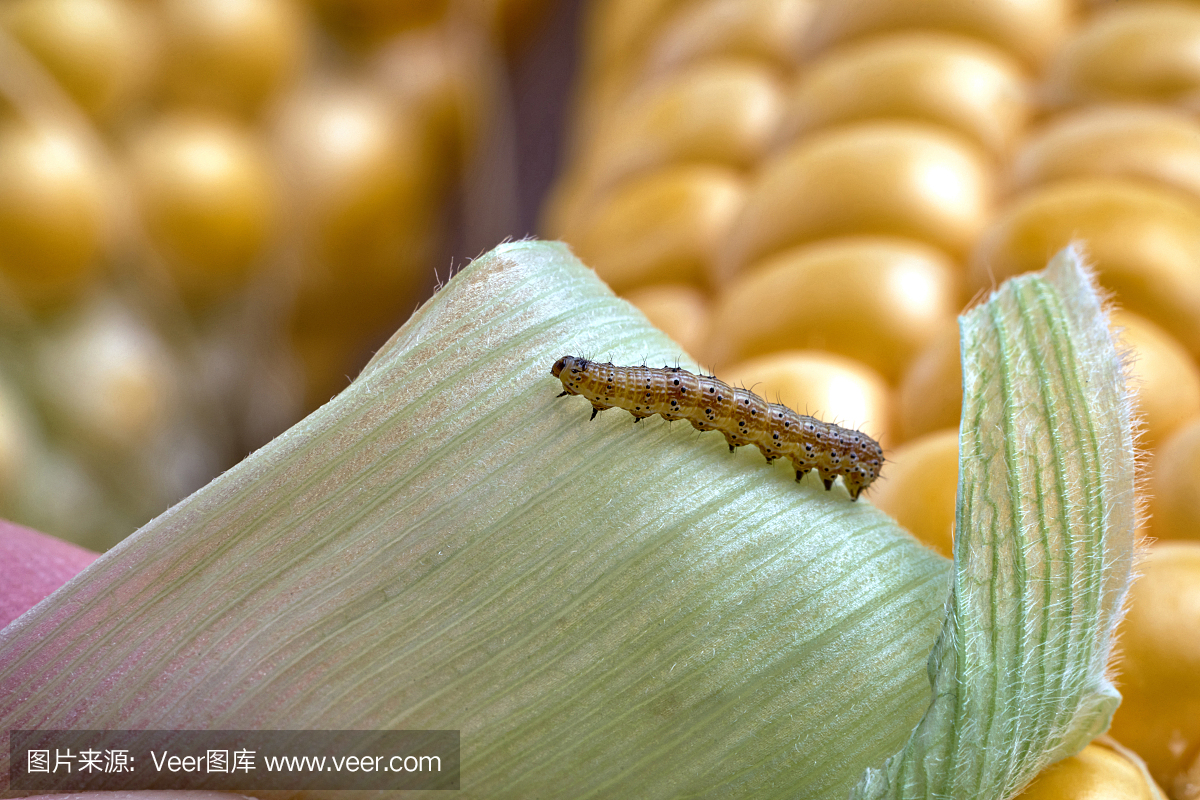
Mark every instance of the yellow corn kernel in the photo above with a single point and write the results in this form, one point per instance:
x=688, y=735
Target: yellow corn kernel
x=99, y=51
x=53, y=217
x=769, y=31
x=724, y=112
x=1148, y=143
x=616, y=28
x=1138, y=51
x=1163, y=376
x=1159, y=717
x=877, y=300
x=1098, y=772
x=438, y=79
x=678, y=310
x=963, y=84
x=919, y=488
x=1029, y=29
x=232, y=55
x=207, y=195
x=930, y=395
x=1174, y=485
x=887, y=178
x=1144, y=242
x=663, y=228
x=108, y=380
x=618, y=32
x=358, y=181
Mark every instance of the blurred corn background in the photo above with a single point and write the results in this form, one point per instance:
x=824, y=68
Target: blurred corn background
x=211, y=211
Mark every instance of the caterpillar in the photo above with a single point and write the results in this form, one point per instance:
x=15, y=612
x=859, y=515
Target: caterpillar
x=742, y=416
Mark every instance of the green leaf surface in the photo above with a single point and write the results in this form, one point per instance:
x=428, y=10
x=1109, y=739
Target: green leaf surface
x=1043, y=546
x=603, y=610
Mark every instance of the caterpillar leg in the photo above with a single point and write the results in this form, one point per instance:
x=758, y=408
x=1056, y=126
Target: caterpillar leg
x=595, y=410
x=800, y=473
x=853, y=483
x=564, y=394
x=826, y=478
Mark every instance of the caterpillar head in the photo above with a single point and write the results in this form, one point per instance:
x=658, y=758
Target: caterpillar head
x=569, y=363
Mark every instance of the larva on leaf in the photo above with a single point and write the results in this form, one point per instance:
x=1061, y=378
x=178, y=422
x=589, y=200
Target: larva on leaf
x=741, y=415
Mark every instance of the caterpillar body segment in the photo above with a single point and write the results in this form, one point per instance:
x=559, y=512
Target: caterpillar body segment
x=742, y=417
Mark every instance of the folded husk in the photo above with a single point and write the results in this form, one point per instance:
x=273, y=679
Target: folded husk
x=1043, y=546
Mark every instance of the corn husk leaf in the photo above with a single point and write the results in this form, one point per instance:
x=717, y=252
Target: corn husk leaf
x=1043, y=550
x=600, y=609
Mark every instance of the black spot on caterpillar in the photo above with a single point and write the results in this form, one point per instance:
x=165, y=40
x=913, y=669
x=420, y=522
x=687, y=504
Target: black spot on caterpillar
x=742, y=416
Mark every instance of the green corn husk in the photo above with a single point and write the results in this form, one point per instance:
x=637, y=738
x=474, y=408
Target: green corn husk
x=1043, y=549
x=609, y=610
